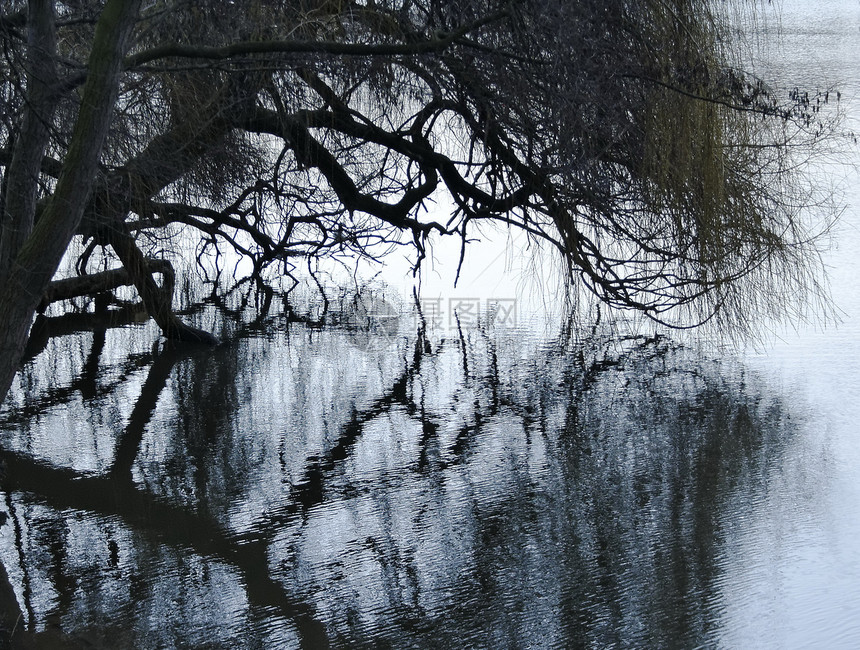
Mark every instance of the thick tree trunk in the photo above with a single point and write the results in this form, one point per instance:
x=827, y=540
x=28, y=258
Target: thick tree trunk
x=39, y=257
x=22, y=176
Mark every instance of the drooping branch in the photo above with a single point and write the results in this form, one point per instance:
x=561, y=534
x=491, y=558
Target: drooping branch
x=157, y=302
x=167, y=157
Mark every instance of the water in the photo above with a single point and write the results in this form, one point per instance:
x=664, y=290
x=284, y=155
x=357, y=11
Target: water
x=794, y=568
x=295, y=490
x=304, y=488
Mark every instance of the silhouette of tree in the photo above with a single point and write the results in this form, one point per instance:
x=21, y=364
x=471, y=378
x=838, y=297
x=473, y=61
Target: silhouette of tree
x=621, y=134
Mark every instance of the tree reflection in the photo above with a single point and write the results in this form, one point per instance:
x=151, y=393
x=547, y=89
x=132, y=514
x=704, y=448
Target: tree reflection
x=445, y=491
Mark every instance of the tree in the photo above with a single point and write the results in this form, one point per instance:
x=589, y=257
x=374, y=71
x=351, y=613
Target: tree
x=621, y=133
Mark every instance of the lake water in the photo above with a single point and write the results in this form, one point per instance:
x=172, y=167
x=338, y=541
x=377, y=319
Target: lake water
x=454, y=486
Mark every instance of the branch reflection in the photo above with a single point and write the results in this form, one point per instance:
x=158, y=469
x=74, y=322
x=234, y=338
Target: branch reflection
x=304, y=492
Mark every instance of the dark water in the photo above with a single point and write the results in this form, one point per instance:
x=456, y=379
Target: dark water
x=311, y=487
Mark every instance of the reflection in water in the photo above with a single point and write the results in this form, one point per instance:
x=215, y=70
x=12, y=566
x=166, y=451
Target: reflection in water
x=293, y=489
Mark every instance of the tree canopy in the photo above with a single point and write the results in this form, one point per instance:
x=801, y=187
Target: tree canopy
x=622, y=134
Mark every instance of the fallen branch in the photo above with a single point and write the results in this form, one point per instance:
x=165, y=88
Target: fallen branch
x=95, y=283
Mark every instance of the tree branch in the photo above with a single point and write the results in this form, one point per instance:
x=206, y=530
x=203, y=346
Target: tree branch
x=439, y=42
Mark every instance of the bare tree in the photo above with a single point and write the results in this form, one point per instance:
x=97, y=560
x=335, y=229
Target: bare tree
x=620, y=133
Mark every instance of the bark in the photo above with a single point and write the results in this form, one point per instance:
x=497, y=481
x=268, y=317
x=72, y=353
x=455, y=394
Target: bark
x=39, y=257
x=22, y=177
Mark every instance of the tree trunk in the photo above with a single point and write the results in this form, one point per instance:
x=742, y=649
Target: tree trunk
x=22, y=176
x=38, y=259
